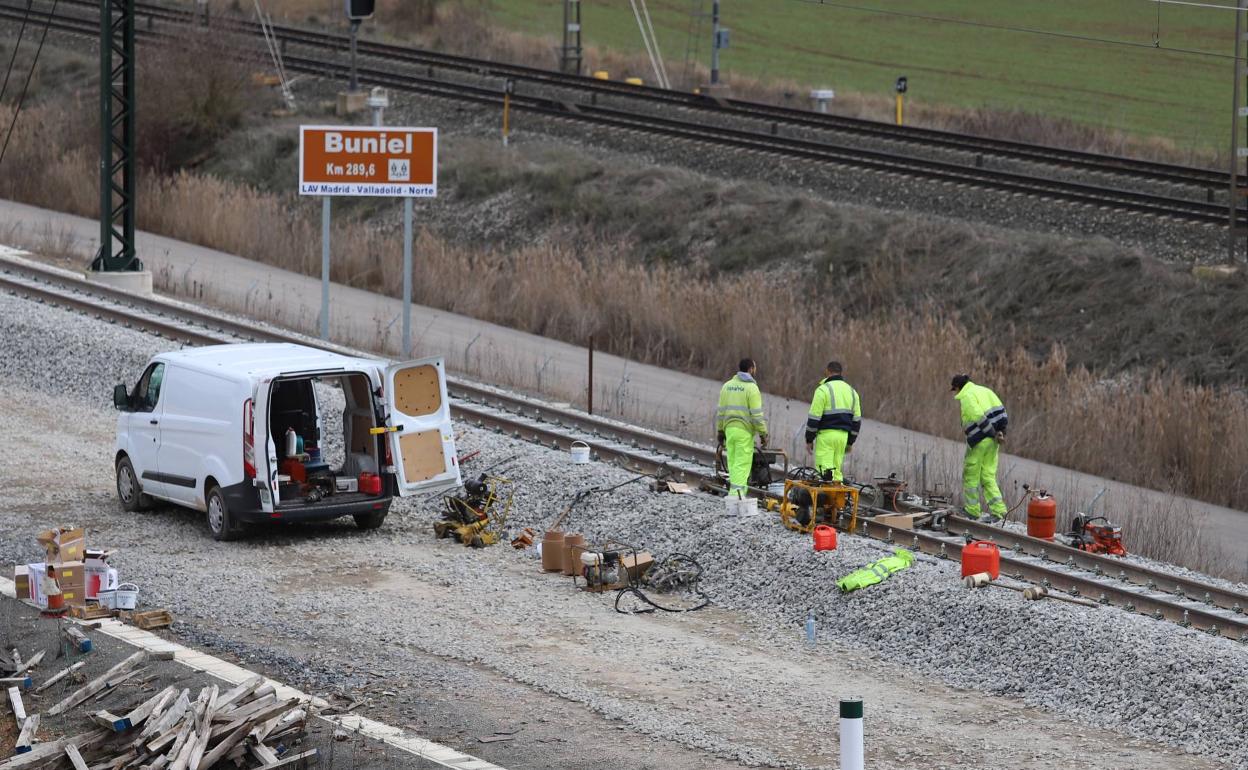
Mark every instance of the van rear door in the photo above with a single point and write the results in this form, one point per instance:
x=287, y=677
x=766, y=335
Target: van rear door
x=422, y=441
x=264, y=454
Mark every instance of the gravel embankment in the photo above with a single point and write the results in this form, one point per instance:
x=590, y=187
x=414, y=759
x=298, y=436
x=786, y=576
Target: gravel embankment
x=907, y=196
x=737, y=685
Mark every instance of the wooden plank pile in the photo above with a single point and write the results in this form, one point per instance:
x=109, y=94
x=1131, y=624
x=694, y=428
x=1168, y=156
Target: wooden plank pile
x=147, y=620
x=15, y=676
x=247, y=726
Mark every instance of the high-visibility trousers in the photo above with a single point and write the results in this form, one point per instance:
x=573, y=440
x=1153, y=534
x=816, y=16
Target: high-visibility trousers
x=979, y=474
x=830, y=452
x=739, y=453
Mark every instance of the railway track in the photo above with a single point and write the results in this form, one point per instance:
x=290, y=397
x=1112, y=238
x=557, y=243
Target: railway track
x=1124, y=584
x=788, y=116
x=408, y=70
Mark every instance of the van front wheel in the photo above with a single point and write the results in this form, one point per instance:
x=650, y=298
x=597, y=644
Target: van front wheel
x=129, y=493
x=219, y=521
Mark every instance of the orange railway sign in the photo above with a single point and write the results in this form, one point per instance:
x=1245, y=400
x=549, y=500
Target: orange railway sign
x=374, y=161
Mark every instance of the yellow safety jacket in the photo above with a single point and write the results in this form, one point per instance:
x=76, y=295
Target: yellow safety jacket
x=983, y=414
x=741, y=402
x=835, y=406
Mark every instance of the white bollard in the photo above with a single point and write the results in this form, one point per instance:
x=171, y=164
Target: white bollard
x=851, y=735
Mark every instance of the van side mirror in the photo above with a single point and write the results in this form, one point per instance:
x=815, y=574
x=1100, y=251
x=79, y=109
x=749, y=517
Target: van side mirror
x=121, y=399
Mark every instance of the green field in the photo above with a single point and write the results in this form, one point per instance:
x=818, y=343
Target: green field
x=1138, y=88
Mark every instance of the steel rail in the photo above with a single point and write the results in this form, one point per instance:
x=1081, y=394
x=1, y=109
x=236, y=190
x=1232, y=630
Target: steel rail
x=732, y=108
x=939, y=171
x=1109, y=566
x=1188, y=613
x=79, y=293
x=524, y=418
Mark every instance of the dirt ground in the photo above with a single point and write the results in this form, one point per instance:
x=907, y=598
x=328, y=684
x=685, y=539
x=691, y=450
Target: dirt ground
x=461, y=644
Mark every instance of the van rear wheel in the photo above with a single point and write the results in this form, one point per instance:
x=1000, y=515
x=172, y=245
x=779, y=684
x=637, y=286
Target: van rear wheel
x=369, y=520
x=129, y=492
x=220, y=523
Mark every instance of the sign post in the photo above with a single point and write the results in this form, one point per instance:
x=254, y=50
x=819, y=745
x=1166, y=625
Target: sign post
x=387, y=162
x=900, y=87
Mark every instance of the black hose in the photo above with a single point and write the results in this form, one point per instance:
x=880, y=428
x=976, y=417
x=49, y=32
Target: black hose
x=691, y=575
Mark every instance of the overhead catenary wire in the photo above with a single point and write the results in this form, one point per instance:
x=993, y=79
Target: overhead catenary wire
x=651, y=46
x=645, y=39
x=26, y=85
x=16, y=45
x=1196, y=5
x=654, y=41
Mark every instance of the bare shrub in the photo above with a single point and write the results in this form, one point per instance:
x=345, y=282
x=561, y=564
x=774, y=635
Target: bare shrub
x=193, y=96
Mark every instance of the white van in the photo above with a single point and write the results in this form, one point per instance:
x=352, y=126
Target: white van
x=236, y=431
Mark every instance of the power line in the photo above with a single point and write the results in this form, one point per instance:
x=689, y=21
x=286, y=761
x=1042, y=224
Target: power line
x=20, y=32
x=1156, y=45
x=18, y=110
x=1196, y=5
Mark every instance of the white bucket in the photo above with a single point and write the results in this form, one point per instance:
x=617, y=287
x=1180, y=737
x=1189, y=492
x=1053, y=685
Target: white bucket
x=580, y=453
x=748, y=507
x=127, y=596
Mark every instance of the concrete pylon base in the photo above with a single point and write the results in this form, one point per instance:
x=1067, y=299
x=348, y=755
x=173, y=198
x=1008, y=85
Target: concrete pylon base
x=351, y=102
x=137, y=281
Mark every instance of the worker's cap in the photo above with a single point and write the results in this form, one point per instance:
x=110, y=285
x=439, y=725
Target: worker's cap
x=959, y=381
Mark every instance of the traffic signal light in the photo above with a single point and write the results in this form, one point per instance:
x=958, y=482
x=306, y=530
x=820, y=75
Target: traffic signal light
x=359, y=9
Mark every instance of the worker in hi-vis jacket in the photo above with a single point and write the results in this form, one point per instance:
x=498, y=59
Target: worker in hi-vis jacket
x=984, y=423
x=738, y=420
x=833, y=422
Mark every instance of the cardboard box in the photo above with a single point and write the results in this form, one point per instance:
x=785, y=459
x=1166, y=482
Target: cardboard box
x=21, y=581
x=64, y=544
x=901, y=520
x=637, y=565
x=37, y=572
x=71, y=576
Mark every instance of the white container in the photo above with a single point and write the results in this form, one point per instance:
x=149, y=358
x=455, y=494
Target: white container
x=748, y=506
x=292, y=442
x=127, y=596
x=732, y=506
x=580, y=453
x=344, y=484
x=107, y=597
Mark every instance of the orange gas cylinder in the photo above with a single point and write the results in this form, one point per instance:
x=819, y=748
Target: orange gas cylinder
x=825, y=538
x=1042, y=516
x=981, y=556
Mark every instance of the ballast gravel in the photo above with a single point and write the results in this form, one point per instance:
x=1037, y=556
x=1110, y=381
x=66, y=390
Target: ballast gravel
x=736, y=685
x=1102, y=666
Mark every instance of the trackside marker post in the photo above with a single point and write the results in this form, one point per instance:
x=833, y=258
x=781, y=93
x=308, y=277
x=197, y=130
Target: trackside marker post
x=375, y=161
x=900, y=87
x=851, y=735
